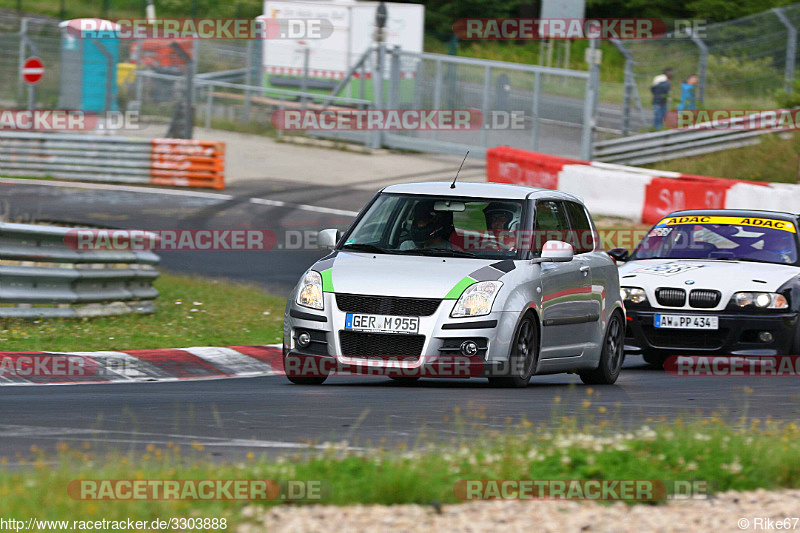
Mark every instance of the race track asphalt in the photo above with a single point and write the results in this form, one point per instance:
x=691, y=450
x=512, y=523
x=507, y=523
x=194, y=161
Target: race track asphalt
x=233, y=416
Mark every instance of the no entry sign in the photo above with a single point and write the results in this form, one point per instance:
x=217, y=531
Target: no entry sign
x=33, y=70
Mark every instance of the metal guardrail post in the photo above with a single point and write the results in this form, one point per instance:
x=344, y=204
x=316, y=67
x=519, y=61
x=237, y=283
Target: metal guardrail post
x=701, y=70
x=629, y=85
x=791, y=46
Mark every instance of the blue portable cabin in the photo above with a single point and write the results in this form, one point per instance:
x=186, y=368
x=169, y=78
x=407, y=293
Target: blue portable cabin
x=88, y=74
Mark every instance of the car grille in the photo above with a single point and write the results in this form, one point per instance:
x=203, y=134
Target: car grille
x=704, y=299
x=671, y=297
x=387, y=305
x=685, y=338
x=378, y=345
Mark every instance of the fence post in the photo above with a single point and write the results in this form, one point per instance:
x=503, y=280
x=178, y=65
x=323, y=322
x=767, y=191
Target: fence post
x=628, y=87
x=23, y=40
x=791, y=46
x=394, y=77
x=487, y=87
x=537, y=88
x=701, y=71
x=248, y=78
x=209, y=104
x=304, y=82
x=377, y=89
x=592, y=86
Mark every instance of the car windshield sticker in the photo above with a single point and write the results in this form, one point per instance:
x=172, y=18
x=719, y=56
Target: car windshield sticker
x=784, y=225
x=667, y=269
x=660, y=232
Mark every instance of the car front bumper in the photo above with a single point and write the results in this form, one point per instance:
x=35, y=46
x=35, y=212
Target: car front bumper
x=434, y=352
x=738, y=333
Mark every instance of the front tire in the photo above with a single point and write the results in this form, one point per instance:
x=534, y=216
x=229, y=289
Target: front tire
x=612, y=356
x=524, y=356
x=297, y=377
x=654, y=359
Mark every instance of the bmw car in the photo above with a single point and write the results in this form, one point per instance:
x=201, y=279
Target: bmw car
x=713, y=282
x=495, y=280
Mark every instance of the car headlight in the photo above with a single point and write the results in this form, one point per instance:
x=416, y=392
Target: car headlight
x=634, y=295
x=761, y=300
x=477, y=299
x=310, y=293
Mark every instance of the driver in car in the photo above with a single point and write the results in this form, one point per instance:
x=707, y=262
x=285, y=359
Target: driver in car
x=499, y=217
x=429, y=228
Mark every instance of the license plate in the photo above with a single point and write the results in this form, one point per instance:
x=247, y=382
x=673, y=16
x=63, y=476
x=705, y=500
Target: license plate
x=381, y=323
x=686, y=322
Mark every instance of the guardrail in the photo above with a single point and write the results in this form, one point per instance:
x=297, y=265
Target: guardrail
x=42, y=276
x=177, y=162
x=672, y=144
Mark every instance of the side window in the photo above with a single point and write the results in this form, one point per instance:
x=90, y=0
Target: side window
x=581, y=237
x=551, y=223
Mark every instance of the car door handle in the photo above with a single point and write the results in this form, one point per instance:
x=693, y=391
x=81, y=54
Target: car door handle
x=585, y=269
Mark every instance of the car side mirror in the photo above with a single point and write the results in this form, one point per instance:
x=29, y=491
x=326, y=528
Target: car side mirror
x=557, y=252
x=328, y=238
x=620, y=255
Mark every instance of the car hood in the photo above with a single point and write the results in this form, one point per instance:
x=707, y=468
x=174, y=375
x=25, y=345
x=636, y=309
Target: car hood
x=698, y=274
x=400, y=275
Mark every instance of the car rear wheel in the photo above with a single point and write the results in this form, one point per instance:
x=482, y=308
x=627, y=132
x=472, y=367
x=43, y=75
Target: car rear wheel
x=612, y=356
x=524, y=356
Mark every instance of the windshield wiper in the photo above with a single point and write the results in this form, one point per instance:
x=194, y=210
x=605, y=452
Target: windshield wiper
x=438, y=252
x=364, y=247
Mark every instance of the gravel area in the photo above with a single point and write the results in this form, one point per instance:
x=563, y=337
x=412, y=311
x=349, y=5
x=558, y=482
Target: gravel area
x=719, y=514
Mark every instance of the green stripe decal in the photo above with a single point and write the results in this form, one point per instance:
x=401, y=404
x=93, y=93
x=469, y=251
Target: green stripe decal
x=456, y=291
x=327, y=280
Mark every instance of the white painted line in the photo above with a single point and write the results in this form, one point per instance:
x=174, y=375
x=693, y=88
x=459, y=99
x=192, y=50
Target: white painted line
x=172, y=192
x=65, y=433
x=228, y=359
x=302, y=207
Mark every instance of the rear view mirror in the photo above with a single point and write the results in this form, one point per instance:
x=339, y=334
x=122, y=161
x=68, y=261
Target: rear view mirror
x=449, y=205
x=557, y=252
x=620, y=255
x=327, y=238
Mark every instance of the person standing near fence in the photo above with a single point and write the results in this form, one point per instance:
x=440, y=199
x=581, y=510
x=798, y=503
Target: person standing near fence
x=688, y=98
x=660, y=91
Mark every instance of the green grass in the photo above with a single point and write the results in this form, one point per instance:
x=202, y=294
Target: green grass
x=747, y=456
x=190, y=312
x=773, y=159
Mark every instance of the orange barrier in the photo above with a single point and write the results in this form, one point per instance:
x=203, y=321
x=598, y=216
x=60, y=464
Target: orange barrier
x=187, y=163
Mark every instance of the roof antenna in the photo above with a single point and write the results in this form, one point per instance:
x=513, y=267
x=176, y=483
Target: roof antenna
x=453, y=185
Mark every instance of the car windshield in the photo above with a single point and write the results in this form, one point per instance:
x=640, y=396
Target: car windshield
x=444, y=226
x=762, y=240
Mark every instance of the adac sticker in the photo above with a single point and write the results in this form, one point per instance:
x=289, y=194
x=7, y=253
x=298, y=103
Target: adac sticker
x=783, y=225
x=667, y=269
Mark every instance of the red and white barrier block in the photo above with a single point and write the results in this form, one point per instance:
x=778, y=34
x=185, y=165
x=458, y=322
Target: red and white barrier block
x=132, y=366
x=639, y=194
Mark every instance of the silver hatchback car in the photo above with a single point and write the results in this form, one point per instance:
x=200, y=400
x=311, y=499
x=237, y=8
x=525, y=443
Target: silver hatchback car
x=477, y=280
